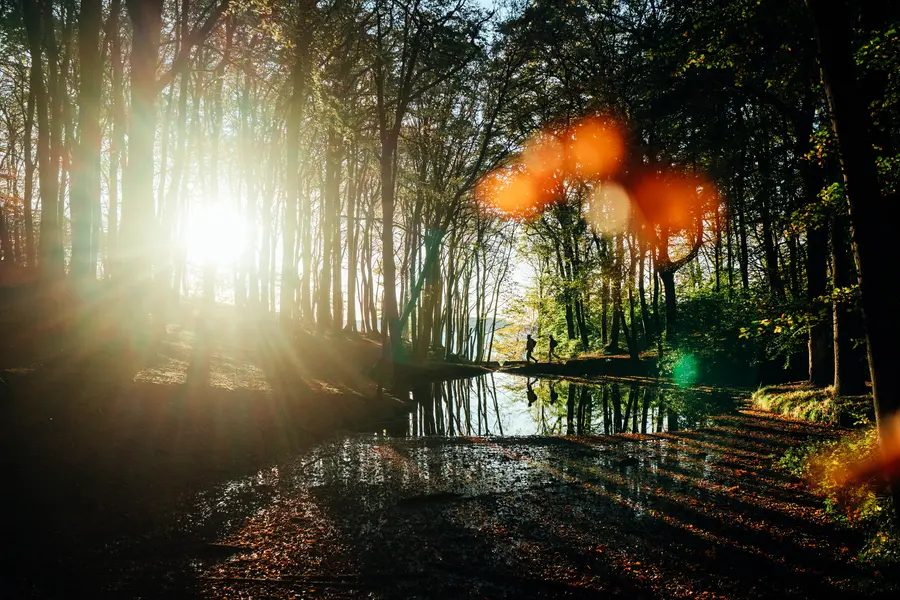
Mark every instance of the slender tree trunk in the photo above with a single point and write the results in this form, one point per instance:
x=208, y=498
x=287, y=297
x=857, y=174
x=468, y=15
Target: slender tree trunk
x=29, y=180
x=117, y=142
x=645, y=312
x=604, y=309
x=769, y=236
x=353, y=187
x=390, y=317
x=743, y=253
x=337, y=294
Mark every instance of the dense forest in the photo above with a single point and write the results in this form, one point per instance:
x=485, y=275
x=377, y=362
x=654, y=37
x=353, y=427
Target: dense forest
x=712, y=179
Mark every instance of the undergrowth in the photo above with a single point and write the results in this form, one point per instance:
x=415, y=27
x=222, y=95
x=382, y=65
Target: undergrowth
x=865, y=506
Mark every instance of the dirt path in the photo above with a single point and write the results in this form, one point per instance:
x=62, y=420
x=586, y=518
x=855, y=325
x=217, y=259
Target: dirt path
x=691, y=514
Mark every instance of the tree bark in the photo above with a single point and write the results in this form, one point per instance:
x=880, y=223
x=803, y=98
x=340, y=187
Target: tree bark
x=138, y=218
x=299, y=76
x=871, y=214
x=850, y=366
x=29, y=180
x=50, y=247
x=86, y=163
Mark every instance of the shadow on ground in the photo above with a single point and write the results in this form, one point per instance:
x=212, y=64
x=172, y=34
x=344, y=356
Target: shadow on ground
x=687, y=514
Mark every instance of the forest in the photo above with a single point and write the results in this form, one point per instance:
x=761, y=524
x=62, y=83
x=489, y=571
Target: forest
x=705, y=187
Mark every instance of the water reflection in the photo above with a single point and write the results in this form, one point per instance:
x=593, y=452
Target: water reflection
x=503, y=404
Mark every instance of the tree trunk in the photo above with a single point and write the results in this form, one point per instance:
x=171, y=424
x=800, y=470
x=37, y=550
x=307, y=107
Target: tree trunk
x=292, y=197
x=390, y=317
x=29, y=180
x=50, y=247
x=353, y=188
x=86, y=163
x=871, y=214
x=769, y=236
x=819, y=343
x=117, y=142
x=668, y=281
x=138, y=218
x=850, y=369
x=327, y=213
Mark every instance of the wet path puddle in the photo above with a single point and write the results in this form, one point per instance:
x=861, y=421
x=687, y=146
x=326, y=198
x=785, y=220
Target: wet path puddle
x=631, y=490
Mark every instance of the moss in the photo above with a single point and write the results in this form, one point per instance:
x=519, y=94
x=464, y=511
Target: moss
x=819, y=405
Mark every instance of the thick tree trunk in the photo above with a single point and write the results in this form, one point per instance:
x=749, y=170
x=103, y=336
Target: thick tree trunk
x=850, y=369
x=819, y=339
x=871, y=214
x=138, y=218
x=819, y=344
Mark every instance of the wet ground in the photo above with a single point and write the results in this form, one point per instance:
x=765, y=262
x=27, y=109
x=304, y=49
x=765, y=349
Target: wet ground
x=425, y=507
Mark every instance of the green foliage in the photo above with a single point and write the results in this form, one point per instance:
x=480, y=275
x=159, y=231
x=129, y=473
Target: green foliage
x=816, y=215
x=864, y=505
x=711, y=323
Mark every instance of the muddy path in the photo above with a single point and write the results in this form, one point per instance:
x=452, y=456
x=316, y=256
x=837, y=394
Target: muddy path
x=688, y=514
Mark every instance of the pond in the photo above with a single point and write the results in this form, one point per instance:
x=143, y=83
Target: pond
x=501, y=404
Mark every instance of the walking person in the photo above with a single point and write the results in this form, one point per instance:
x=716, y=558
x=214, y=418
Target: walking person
x=530, y=345
x=532, y=396
x=552, y=351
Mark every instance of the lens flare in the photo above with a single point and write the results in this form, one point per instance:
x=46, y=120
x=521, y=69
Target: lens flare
x=609, y=210
x=594, y=148
x=512, y=192
x=543, y=156
x=673, y=200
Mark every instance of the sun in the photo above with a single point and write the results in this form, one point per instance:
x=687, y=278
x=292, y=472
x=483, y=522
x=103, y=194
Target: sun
x=215, y=234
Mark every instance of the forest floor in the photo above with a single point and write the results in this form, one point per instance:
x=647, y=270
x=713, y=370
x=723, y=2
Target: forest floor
x=700, y=514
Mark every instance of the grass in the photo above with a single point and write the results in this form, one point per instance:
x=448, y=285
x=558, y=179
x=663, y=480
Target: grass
x=817, y=405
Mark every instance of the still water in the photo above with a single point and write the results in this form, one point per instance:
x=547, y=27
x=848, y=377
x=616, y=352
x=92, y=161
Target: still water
x=501, y=404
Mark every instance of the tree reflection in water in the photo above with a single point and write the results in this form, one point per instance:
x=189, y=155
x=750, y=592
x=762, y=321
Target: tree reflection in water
x=504, y=405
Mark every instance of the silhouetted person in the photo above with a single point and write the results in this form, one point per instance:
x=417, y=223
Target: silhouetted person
x=530, y=345
x=532, y=397
x=552, y=351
